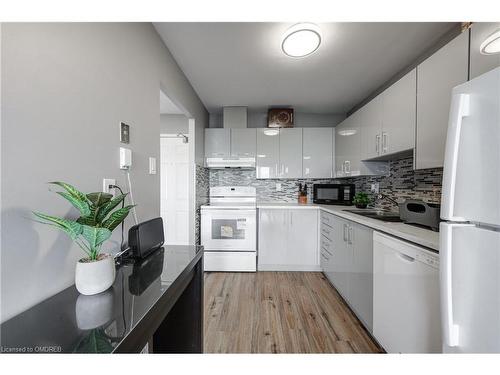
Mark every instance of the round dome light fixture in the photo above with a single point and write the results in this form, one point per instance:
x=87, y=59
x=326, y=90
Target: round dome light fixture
x=301, y=40
x=491, y=44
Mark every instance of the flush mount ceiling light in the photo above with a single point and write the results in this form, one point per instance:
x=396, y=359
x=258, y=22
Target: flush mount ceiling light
x=491, y=44
x=301, y=40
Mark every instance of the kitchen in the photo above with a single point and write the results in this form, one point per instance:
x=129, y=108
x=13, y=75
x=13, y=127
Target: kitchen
x=280, y=193
x=256, y=187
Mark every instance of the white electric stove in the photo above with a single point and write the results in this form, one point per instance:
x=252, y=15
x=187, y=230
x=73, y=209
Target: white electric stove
x=229, y=229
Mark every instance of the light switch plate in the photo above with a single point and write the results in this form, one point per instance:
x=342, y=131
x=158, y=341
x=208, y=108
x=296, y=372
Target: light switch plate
x=278, y=186
x=152, y=165
x=105, y=185
x=375, y=188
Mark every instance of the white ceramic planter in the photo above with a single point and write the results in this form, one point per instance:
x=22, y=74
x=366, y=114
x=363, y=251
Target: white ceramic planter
x=95, y=277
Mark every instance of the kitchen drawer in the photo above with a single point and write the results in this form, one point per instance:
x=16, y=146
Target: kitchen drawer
x=326, y=244
x=327, y=218
x=327, y=231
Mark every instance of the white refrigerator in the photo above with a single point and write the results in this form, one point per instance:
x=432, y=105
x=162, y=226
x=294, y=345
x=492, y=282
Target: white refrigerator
x=470, y=208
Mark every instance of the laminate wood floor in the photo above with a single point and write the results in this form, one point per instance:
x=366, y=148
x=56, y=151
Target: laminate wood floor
x=279, y=312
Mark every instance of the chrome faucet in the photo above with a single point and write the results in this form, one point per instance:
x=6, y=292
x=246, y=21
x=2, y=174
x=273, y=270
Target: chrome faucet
x=383, y=196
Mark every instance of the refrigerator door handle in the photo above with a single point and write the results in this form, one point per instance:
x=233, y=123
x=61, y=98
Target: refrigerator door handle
x=460, y=108
x=451, y=331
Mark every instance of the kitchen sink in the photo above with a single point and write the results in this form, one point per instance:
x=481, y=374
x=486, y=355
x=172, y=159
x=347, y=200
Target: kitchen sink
x=379, y=215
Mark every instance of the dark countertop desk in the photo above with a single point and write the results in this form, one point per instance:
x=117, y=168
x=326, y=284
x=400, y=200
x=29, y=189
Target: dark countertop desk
x=156, y=301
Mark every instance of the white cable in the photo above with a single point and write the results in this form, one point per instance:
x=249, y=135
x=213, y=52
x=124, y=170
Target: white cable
x=131, y=196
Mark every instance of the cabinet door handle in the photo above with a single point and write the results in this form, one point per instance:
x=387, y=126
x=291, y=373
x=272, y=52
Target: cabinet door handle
x=345, y=232
x=291, y=218
x=349, y=235
x=384, y=143
x=276, y=170
x=377, y=144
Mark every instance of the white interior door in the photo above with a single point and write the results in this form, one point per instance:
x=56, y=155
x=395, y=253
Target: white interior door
x=174, y=206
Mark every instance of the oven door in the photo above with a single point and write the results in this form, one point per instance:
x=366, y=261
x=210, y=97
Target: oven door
x=228, y=229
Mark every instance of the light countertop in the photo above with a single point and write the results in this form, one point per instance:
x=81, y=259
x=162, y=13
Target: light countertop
x=419, y=236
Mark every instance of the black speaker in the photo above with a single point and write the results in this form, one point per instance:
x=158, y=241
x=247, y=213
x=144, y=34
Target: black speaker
x=146, y=237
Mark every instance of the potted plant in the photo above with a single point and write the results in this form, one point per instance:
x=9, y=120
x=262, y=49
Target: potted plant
x=361, y=200
x=98, y=218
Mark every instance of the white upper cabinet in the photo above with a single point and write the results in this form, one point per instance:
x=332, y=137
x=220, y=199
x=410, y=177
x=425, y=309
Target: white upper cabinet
x=243, y=142
x=317, y=152
x=371, y=128
x=437, y=75
x=348, y=146
x=480, y=63
x=268, y=153
x=290, y=140
x=217, y=143
x=398, y=115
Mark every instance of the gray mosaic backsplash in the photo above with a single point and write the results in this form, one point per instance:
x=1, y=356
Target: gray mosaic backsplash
x=401, y=183
x=202, y=190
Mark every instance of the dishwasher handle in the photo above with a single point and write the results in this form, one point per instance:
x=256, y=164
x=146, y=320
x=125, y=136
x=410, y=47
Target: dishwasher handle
x=405, y=258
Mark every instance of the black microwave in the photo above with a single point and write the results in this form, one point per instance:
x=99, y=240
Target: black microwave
x=333, y=194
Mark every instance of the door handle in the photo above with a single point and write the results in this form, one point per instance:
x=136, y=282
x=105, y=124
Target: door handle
x=345, y=232
x=451, y=330
x=377, y=144
x=460, y=108
x=350, y=235
x=291, y=218
x=384, y=142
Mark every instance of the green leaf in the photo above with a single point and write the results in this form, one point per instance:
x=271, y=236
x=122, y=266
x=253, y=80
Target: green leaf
x=71, y=190
x=80, y=205
x=109, y=206
x=72, y=228
x=116, y=217
x=95, y=236
x=88, y=220
x=99, y=198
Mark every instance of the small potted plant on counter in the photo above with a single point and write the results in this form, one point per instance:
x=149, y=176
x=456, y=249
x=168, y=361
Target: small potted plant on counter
x=361, y=200
x=98, y=218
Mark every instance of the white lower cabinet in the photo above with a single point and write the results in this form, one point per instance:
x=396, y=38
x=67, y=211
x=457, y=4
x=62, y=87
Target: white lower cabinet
x=347, y=261
x=288, y=240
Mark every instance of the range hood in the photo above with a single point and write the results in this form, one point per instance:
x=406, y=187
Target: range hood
x=221, y=163
x=233, y=118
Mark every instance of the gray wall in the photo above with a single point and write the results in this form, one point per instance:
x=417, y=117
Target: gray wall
x=173, y=124
x=65, y=88
x=302, y=120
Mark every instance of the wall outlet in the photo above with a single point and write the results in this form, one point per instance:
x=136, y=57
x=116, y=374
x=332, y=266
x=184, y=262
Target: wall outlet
x=375, y=188
x=278, y=186
x=105, y=185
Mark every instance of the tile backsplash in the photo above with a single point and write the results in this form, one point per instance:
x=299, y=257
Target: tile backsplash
x=401, y=183
x=202, y=190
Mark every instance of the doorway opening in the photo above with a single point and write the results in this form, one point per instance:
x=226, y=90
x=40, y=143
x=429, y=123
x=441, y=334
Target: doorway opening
x=177, y=177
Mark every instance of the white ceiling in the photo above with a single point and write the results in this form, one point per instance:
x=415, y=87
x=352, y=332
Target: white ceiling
x=167, y=106
x=242, y=63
